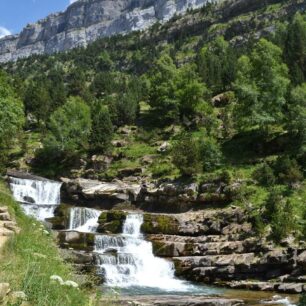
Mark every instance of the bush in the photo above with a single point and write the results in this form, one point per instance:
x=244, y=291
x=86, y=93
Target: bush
x=264, y=175
x=287, y=170
x=102, y=127
x=279, y=213
x=69, y=129
x=186, y=155
x=211, y=154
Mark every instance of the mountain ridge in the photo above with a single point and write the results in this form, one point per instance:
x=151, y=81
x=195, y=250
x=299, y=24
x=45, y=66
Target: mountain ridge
x=85, y=21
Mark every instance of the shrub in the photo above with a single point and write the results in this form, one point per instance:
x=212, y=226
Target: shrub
x=69, y=129
x=279, y=213
x=102, y=127
x=186, y=155
x=287, y=170
x=264, y=175
x=211, y=154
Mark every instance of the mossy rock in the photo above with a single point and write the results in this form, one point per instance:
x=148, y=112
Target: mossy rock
x=111, y=221
x=76, y=240
x=61, y=217
x=159, y=224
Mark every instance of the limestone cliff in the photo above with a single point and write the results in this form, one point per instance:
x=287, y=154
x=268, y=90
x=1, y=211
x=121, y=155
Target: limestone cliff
x=87, y=20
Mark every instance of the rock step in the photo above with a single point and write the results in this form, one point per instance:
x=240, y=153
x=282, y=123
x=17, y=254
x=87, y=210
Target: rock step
x=171, y=300
x=217, y=260
x=294, y=288
x=6, y=232
x=197, y=239
x=5, y=216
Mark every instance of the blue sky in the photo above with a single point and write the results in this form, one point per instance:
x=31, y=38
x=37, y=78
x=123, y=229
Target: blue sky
x=15, y=14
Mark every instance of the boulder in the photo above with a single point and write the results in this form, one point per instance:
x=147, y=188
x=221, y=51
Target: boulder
x=111, y=222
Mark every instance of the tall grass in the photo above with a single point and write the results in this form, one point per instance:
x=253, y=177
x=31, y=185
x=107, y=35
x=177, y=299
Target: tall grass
x=31, y=257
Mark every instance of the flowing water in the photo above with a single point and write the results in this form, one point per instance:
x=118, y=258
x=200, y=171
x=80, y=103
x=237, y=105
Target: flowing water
x=127, y=261
x=38, y=198
x=83, y=219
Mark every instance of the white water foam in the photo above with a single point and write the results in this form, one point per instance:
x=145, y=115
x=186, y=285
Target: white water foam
x=35, y=192
x=38, y=198
x=128, y=260
x=278, y=300
x=83, y=219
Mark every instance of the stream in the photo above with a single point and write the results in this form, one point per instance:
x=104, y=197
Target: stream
x=125, y=262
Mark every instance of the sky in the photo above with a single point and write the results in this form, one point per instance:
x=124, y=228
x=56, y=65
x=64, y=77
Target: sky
x=16, y=14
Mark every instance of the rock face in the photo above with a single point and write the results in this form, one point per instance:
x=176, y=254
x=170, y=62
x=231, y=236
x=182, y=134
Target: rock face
x=169, y=196
x=221, y=247
x=87, y=20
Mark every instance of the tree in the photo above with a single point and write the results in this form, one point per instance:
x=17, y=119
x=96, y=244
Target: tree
x=211, y=154
x=69, y=129
x=190, y=91
x=217, y=65
x=261, y=86
x=37, y=99
x=102, y=127
x=295, y=49
x=186, y=155
x=162, y=96
x=297, y=116
x=11, y=116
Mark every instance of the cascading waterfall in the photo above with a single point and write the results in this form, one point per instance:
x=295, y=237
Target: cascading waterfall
x=38, y=198
x=83, y=219
x=127, y=260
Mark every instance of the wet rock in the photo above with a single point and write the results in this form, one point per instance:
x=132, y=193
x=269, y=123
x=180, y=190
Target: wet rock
x=76, y=240
x=111, y=222
x=290, y=288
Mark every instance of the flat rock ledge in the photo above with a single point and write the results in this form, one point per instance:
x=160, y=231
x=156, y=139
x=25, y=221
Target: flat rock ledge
x=177, y=300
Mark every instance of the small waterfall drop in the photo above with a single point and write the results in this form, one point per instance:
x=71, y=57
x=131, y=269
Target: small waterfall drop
x=127, y=260
x=38, y=198
x=35, y=192
x=83, y=219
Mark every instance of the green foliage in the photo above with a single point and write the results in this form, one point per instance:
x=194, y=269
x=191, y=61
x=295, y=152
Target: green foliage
x=211, y=154
x=287, y=170
x=217, y=64
x=279, y=213
x=69, y=129
x=11, y=116
x=295, y=49
x=186, y=155
x=102, y=127
x=302, y=301
x=297, y=116
x=162, y=98
x=31, y=258
x=264, y=175
x=261, y=86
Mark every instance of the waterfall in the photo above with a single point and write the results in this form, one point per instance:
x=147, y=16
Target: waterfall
x=127, y=260
x=35, y=192
x=38, y=198
x=83, y=219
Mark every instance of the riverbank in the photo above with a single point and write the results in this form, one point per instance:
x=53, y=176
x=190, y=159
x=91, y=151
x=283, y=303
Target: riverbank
x=30, y=259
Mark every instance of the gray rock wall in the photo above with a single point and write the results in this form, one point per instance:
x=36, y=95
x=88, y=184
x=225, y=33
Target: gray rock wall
x=87, y=20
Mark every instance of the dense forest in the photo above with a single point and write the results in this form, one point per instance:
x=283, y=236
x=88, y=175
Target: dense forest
x=221, y=109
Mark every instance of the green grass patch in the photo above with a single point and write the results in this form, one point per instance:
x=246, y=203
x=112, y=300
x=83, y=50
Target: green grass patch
x=30, y=258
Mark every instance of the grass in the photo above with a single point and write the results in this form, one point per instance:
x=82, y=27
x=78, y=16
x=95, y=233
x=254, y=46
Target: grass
x=31, y=257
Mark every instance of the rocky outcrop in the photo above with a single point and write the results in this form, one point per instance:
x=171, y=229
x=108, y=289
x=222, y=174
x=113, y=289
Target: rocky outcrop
x=175, y=300
x=102, y=194
x=221, y=247
x=8, y=226
x=87, y=20
x=168, y=196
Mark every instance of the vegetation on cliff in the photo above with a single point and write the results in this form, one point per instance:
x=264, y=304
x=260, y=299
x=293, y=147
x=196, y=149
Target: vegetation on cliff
x=197, y=106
